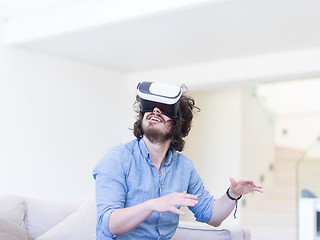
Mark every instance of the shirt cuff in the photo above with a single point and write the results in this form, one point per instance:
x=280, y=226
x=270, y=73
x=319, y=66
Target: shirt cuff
x=105, y=224
x=206, y=213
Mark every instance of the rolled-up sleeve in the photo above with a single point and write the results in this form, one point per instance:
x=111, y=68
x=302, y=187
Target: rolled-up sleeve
x=110, y=183
x=203, y=210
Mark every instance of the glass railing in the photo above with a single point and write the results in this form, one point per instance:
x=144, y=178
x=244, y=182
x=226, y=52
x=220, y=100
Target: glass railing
x=308, y=191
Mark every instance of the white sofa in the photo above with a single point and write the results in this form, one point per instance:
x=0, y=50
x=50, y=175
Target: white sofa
x=23, y=218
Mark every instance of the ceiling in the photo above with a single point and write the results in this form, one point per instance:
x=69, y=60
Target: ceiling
x=209, y=31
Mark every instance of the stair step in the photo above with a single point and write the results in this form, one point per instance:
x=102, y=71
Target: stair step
x=272, y=207
x=273, y=214
x=288, y=154
x=284, y=178
x=279, y=192
x=270, y=220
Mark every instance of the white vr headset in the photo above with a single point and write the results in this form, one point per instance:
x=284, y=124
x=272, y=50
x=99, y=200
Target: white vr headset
x=166, y=97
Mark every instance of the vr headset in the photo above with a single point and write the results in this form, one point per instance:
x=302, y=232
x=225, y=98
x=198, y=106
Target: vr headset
x=166, y=97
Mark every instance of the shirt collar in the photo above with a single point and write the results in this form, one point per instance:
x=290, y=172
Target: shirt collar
x=145, y=153
x=170, y=155
x=143, y=149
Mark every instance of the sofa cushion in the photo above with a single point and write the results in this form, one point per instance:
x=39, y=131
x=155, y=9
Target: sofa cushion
x=240, y=233
x=42, y=215
x=80, y=225
x=193, y=230
x=11, y=231
x=13, y=208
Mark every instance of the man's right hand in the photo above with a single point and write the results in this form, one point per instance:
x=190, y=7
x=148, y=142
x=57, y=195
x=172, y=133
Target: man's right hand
x=123, y=220
x=170, y=202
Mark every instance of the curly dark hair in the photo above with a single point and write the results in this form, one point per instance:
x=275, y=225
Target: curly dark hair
x=180, y=126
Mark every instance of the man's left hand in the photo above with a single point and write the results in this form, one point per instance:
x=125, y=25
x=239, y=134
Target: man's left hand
x=243, y=186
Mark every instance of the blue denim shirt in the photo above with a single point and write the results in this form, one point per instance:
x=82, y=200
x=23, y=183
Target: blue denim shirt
x=126, y=177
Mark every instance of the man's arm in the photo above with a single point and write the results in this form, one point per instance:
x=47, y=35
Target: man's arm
x=223, y=206
x=124, y=220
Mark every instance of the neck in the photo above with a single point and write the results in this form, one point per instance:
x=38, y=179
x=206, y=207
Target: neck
x=158, y=152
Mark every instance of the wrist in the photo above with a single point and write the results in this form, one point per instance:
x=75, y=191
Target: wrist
x=233, y=198
x=231, y=194
x=150, y=205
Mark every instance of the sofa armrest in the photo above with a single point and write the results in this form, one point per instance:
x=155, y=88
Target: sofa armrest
x=42, y=215
x=13, y=208
x=195, y=230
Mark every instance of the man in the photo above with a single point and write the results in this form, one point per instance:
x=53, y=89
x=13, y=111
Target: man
x=141, y=185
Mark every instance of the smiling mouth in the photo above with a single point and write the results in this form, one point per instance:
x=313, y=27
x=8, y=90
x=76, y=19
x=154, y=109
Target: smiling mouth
x=155, y=118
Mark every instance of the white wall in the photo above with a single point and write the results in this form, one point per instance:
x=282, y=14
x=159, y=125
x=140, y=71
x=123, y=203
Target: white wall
x=57, y=119
x=214, y=142
x=258, y=139
x=297, y=130
x=2, y=27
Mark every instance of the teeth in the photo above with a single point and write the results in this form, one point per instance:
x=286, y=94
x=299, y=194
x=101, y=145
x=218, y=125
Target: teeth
x=156, y=119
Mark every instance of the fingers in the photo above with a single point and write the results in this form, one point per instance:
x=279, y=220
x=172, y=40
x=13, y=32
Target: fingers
x=187, y=200
x=233, y=182
x=252, y=185
x=184, y=199
x=258, y=189
x=187, y=195
x=187, y=203
x=244, y=186
x=246, y=181
x=172, y=202
x=190, y=196
x=243, y=181
x=177, y=211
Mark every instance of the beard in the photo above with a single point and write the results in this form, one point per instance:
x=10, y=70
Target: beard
x=154, y=134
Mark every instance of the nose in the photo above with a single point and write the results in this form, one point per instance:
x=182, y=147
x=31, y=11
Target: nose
x=157, y=111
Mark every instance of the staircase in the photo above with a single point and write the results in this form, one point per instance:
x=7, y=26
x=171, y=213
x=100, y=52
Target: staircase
x=273, y=214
